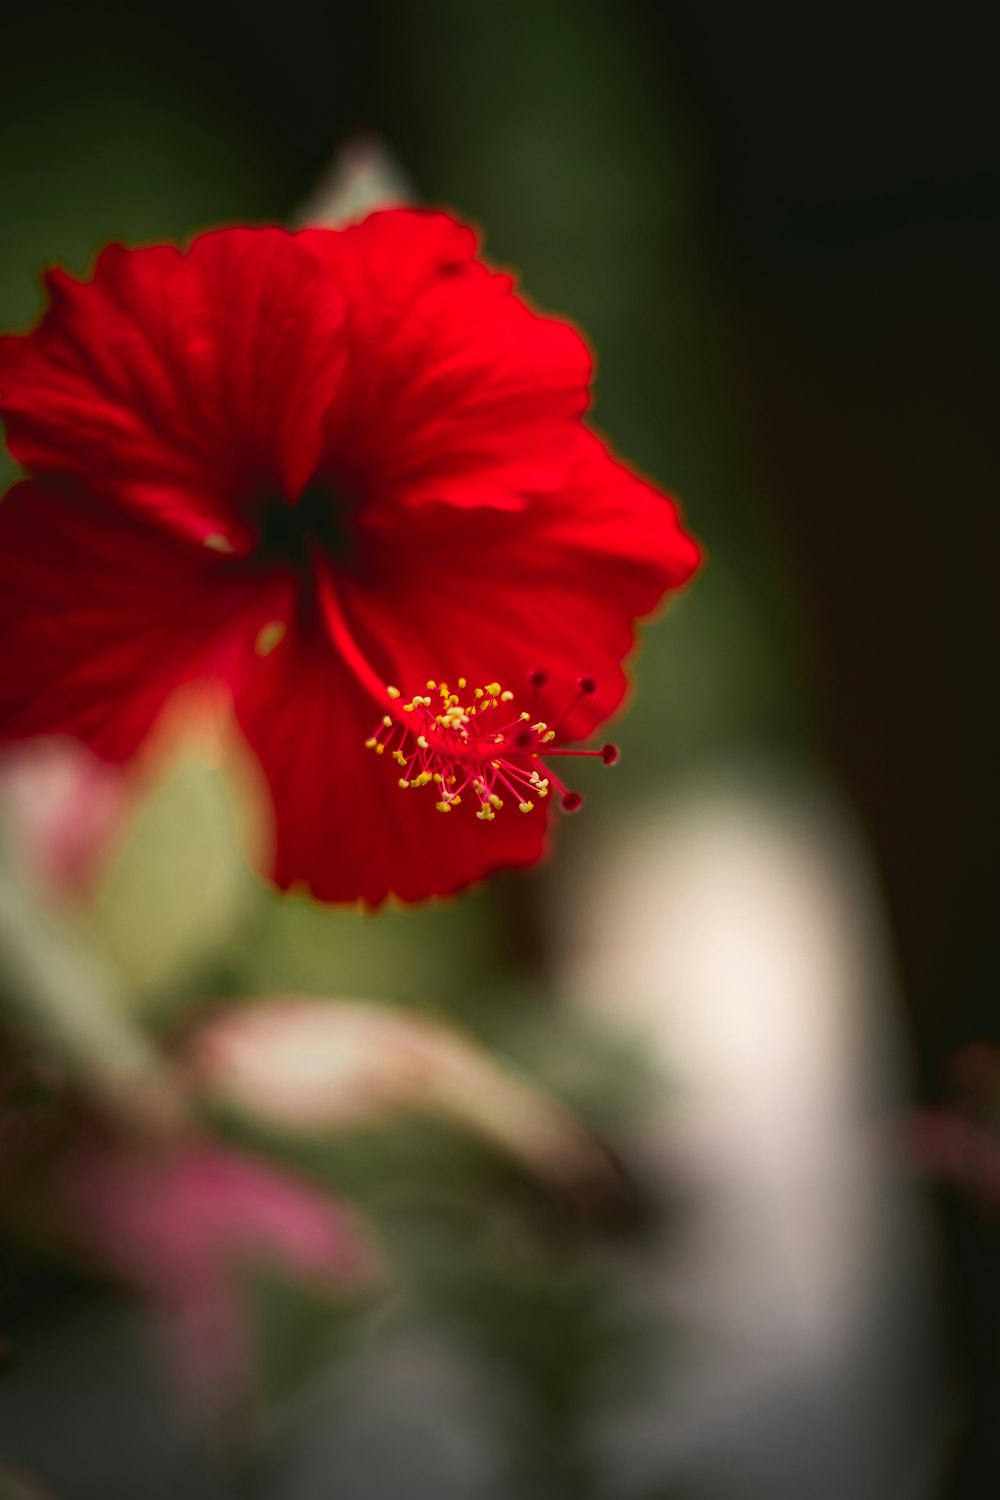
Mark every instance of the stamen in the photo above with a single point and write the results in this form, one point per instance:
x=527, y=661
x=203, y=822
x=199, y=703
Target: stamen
x=487, y=745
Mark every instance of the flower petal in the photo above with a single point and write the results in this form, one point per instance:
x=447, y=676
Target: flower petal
x=454, y=389
x=102, y=616
x=557, y=586
x=344, y=827
x=175, y=382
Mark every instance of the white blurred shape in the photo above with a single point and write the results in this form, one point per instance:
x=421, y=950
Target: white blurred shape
x=736, y=933
x=363, y=176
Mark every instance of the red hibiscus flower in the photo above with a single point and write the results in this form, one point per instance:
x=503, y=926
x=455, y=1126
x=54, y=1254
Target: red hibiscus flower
x=306, y=466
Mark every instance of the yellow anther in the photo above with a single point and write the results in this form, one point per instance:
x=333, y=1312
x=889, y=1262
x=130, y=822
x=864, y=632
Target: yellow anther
x=479, y=693
x=407, y=708
x=507, y=697
x=486, y=815
x=422, y=741
x=379, y=749
x=422, y=779
x=387, y=720
x=495, y=801
x=370, y=744
x=492, y=689
x=525, y=716
x=399, y=757
x=437, y=776
x=525, y=806
x=403, y=782
x=443, y=806
x=550, y=734
x=461, y=682
x=431, y=683
x=393, y=692
x=540, y=727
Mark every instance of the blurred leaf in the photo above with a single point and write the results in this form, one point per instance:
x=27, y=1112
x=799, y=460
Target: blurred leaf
x=560, y=1336
x=59, y=990
x=181, y=883
x=299, y=1332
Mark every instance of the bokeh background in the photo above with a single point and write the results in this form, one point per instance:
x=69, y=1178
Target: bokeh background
x=762, y=947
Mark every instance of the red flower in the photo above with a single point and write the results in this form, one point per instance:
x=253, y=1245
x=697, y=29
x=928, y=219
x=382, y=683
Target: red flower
x=308, y=465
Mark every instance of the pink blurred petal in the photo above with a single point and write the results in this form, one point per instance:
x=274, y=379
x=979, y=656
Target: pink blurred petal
x=61, y=807
x=180, y=1225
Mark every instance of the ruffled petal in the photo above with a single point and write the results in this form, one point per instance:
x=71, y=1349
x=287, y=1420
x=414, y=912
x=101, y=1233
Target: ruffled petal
x=497, y=595
x=455, y=389
x=102, y=616
x=609, y=517
x=179, y=384
x=345, y=830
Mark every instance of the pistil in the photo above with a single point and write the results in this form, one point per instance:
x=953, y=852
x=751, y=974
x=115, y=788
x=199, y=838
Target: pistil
x=479, y=743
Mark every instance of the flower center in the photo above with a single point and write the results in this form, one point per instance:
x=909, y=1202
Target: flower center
x=481, y=742
x=321, y=520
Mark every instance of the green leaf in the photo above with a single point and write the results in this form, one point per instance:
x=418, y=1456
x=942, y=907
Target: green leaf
x=181, y=883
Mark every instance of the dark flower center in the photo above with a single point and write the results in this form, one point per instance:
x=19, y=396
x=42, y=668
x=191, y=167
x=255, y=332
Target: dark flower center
x=321, y=520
